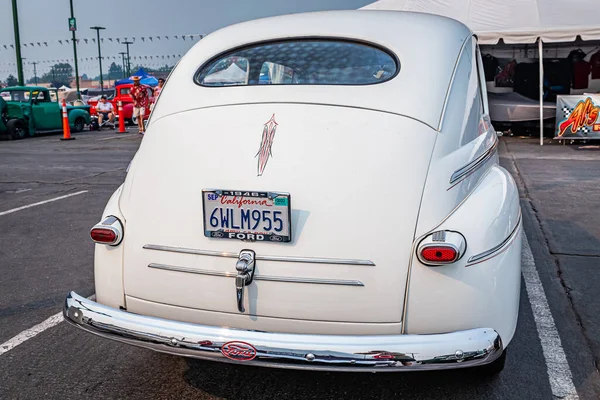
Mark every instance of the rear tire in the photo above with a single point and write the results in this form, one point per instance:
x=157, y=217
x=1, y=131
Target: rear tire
x=493, y=368
x=78, y=125
x=16, y=129
x=133, y=121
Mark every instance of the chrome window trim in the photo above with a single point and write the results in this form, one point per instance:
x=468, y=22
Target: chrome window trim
x=361, y=42
x=474, y=164
x=317, y=281
x=309, y=260
x=443, y=114
x=491, y=253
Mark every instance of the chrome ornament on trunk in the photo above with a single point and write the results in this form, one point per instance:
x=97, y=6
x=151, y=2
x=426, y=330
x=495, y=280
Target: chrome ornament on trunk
x=245, y=273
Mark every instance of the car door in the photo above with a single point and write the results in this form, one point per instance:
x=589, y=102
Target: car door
x=46, y=113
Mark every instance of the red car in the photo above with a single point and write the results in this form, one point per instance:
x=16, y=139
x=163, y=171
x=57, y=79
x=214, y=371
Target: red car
x=122, y=94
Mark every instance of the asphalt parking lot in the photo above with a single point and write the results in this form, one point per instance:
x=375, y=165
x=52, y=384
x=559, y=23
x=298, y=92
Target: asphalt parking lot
x=52, y=192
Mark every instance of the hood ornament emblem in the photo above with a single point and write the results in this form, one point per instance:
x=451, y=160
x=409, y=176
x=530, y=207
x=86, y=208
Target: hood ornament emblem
x=264, y=152
x=245, y=272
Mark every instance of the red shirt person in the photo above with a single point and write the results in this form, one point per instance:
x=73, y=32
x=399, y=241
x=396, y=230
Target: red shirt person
x=139, y=94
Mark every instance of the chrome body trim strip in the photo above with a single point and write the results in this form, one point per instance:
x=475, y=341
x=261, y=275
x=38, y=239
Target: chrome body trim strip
x=317, y=281
x=360, y=353
x=309, y=260
x=473, y=164
x=494, y=251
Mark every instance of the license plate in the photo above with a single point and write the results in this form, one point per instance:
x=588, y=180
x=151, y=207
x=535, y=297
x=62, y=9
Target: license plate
x=247, y=215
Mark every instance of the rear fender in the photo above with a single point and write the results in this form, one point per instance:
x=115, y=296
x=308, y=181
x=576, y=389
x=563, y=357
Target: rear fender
x=478, y=290
x=78, y=113
x=108, y=261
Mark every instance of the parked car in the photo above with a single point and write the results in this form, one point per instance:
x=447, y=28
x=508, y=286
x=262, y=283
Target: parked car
x=31, y=110
x=346, y=213
x=122, y=95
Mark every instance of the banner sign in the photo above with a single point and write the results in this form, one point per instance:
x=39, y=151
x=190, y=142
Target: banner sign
x=578, y=117
x=72, y=24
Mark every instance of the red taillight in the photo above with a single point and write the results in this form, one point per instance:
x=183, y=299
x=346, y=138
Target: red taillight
x=103, y=235
x=443, y=254
x=109, y=231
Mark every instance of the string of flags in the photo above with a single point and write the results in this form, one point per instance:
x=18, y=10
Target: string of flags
x=118, y=40
x=116, y=58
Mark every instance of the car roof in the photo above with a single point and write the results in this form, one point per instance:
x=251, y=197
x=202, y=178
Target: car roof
x=25, y=88
x=427, y=47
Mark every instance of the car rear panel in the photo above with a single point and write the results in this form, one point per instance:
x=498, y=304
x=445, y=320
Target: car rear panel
x=355, y=178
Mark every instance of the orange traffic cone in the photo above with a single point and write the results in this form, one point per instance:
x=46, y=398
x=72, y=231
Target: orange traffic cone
x=121, y=118
x=66, y=128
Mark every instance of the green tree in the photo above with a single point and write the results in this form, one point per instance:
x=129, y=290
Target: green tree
x=115, y=71
x=59, y=74
x=12, y=81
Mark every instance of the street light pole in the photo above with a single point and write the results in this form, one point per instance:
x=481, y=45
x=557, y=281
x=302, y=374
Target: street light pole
x=35, y=63
x=128, y=59
x=98, y=28
x=17, y=42
x=73, y=28
x=123, y=61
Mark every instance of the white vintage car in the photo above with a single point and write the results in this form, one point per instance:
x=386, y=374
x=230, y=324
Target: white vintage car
x=316, y=191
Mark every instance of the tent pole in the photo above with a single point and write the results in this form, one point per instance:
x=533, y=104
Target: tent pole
x=541, y=58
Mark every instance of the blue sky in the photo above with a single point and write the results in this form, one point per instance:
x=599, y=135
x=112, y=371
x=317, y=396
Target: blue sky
x=47, y=21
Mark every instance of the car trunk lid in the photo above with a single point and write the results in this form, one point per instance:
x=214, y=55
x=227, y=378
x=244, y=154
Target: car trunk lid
x=355, y=178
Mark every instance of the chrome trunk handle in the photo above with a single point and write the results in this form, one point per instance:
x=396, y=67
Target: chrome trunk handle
x=245, y=273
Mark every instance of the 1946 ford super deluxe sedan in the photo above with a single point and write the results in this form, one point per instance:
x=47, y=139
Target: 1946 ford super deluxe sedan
x=316, y=191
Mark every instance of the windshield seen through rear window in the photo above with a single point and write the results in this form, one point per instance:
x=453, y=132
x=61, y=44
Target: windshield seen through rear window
x=300, y=62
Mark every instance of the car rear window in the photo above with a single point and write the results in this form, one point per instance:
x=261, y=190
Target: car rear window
x=300, y=62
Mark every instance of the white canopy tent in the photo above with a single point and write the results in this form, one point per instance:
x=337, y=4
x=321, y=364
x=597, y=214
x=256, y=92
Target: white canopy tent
x=230, y=75
x=513, y=21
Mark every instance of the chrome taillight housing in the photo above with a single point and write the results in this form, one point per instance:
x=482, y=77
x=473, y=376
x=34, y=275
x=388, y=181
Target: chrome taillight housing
x=109, y=231
x=441, y=247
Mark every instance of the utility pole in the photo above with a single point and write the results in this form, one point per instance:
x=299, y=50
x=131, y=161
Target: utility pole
x=98, y=28
x=17, y=42
x=35, y=63
x=123, y=60
x=73, y=28
x=53, y=75
x=128, y=59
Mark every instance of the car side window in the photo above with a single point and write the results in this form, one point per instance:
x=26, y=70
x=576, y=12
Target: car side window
x=40, y=97
x=465, y=108
x=482, y=84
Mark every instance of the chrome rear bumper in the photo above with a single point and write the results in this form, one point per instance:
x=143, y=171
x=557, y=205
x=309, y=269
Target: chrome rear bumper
x=283, y=350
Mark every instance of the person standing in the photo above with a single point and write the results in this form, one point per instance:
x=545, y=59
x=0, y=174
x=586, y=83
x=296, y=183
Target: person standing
x=139, y=94
x=157, y=91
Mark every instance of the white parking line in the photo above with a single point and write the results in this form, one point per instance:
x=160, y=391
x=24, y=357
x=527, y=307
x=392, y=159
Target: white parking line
x=561, y=379
x=33, y=331
x=41, y=202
